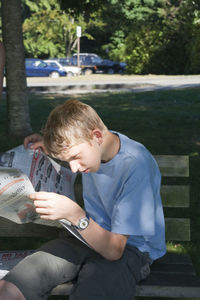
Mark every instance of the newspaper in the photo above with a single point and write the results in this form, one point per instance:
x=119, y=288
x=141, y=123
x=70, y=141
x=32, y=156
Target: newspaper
x=8, y=259
x=23, y=171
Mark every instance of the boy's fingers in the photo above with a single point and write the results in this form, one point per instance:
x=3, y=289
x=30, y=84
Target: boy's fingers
x=36, y=145
x=40, y=196
x=42, y=203
x=42, y=211
x=36, y=139
x=26, y=142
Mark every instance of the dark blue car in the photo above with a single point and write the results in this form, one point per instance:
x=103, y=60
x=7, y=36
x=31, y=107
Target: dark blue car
x=38, y=68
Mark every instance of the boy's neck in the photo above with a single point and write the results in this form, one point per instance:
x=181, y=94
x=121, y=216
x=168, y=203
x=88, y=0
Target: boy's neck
x=111, y=146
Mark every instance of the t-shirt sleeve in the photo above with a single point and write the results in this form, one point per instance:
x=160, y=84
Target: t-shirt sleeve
x=134, y=211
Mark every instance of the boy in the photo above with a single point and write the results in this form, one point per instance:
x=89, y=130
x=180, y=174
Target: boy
x=122, y=219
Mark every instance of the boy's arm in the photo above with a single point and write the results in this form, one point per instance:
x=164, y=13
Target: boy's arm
x=53, y=206
x=108, y=244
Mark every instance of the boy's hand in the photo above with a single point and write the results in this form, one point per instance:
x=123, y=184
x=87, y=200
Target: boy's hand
x=52, y=206
x=36, y=141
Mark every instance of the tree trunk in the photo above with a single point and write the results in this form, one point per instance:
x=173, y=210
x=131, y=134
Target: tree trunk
x=17, y=99
x=2, y=63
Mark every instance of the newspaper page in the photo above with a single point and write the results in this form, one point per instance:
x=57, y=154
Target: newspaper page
x=15, y=205
x=8, y=259
x=23, y=171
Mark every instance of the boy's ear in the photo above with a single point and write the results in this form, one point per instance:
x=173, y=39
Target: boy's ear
x=97, y=134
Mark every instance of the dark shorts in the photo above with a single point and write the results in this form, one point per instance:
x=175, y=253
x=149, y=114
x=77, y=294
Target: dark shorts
x=68, y=259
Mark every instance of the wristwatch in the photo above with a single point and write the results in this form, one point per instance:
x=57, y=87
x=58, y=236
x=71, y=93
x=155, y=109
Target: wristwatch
x=83, y=223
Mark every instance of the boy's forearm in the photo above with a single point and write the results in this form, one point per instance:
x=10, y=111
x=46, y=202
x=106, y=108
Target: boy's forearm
x=110, y=245
x=53, y=206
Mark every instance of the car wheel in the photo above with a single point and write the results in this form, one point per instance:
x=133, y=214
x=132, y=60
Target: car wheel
x=70, y=74
x=88, y=72
x=54, y=74
x=110, y=71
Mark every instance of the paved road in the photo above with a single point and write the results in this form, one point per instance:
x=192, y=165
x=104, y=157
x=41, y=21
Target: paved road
x=101, y=82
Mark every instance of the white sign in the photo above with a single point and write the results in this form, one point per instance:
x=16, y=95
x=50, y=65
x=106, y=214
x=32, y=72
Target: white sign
x=78, y=31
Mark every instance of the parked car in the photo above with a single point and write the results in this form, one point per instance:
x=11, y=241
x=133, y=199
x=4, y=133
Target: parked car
x=93, y=63
x=88, y=62
x=88, y=58
x=63, y=64
x=38, y=68
x=110, y=67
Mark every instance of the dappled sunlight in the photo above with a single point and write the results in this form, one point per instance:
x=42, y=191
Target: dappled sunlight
x=176, y=247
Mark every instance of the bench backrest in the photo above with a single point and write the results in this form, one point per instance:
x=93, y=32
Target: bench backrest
x=175, y=194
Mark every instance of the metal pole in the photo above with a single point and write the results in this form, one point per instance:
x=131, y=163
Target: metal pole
x=78, y=52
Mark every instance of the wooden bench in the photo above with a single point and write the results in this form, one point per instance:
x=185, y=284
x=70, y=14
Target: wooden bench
x=171, y=276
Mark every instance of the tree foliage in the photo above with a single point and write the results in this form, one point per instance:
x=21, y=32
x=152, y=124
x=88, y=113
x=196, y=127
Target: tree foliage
x=135, y=31
x=167, y=30
x=50, y=31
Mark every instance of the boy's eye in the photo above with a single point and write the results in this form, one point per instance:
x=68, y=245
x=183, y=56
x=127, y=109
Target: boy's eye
x=75, y=157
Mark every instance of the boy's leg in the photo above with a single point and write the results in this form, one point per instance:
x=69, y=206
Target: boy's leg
x=9, y=291
x=100, y=279
x=54, y=263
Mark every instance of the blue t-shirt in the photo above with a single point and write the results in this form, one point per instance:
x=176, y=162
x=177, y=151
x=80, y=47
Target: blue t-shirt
x=124, y=197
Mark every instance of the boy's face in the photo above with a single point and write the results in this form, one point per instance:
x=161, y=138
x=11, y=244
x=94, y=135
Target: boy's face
x=84, y=157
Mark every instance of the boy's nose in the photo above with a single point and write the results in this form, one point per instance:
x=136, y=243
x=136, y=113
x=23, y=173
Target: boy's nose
x=74, y=166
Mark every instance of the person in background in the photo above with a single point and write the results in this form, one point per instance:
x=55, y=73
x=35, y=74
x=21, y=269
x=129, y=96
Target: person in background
x=122, y=219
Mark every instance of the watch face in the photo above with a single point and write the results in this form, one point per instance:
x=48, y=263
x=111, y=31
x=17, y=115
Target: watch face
x=84, y=223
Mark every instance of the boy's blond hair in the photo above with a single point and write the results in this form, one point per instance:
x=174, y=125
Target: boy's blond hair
x=69, y=124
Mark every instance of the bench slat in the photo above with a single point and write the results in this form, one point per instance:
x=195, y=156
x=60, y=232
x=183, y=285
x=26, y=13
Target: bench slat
x=11, y=229
x=175, y=195
x=173, y=165
x=177, y=229
x=63, y=289
x=174, y=258
x=180, y=292
x=172, y=195
x=147, y=290
x=173, y=269
x=159, y=285
x=169, y=285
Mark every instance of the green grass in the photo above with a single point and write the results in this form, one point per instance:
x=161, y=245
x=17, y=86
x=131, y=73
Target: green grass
x=166, y=122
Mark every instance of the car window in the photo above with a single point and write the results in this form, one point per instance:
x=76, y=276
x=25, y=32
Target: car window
x=53, y=64
x=36, y=63
x=96, y=60
x=88, y=60
x=40, y=64
x=28, y=63
x=66, y=61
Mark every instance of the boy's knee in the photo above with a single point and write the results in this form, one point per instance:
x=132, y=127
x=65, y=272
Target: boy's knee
x=39, y=273
x=29, y=277
x=32, y=269
x=29, y=274
x=9, y=291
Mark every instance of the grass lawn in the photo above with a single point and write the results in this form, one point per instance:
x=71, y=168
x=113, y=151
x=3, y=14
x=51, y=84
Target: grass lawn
x=166, y=122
